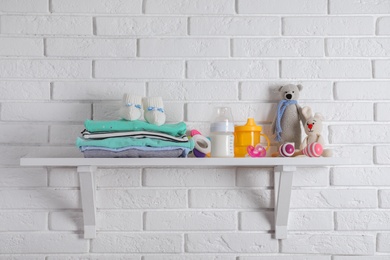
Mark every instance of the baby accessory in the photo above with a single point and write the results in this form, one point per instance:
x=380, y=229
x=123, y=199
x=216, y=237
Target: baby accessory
x=202, y=144
x=247, y=135
x=154, y=110
x=221, y=133
x=286, y=125
x=312, y=150
x=257, y=151
x=281, y=109
x=313, y=128
x=131, y=108
x=287, y=150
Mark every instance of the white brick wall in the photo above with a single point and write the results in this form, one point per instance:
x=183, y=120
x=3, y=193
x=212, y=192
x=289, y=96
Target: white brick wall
x=287, y=7
x=189, y=7
x=44, y=242
x=326, y=69
x=190, y=221
x=45, y=69
x=45, y=25
x=136, y=242
x=240, y=26
x=141, y=25
x=62, y=62
x=21, y=47
x=24, y=6
x=184, y=47
x=278, y=47
x=135, y=69
x=231, y=243
x=330, y=244
x=328, y=26
x=99, y=7
x=298, y=220
x=65, y=47
x=24, y=90
x=353, y=7
x=383, y=26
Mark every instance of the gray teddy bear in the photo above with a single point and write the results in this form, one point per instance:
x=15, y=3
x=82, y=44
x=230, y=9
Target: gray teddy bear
x=286, y=125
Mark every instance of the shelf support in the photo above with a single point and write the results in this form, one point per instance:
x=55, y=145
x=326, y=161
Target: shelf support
x=88, y=199
x=283, y=176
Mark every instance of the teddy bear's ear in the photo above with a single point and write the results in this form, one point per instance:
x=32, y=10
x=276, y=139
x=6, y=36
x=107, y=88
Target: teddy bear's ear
x=300, y=87
x=280, y=88
x=319, y=116
x=306, y=112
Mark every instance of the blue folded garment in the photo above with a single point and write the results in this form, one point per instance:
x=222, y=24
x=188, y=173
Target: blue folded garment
x=136, y=153
x=120, y=142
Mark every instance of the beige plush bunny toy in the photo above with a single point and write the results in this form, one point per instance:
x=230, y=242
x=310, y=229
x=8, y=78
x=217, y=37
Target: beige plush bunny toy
x=313, y=128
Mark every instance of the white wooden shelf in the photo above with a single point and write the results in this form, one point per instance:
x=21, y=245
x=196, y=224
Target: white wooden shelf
x=283, y=174
x=178, y=162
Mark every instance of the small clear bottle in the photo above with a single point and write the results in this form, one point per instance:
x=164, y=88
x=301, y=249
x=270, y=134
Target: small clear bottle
x=222, y=133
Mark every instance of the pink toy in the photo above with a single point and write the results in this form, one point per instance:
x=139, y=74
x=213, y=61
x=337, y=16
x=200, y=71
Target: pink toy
x=287, y=150
x=194, y=132
x=313, y=150
x=198, y=154
x=257, y=151
x=313, y=127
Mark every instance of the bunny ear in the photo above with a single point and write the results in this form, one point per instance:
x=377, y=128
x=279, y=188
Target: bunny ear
x=306, y=112
x=319, y=116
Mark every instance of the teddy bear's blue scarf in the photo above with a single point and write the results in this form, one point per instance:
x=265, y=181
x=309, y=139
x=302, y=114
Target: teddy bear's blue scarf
x=281, y=108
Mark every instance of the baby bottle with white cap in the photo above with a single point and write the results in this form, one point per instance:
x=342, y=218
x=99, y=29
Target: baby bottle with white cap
x=222, y=133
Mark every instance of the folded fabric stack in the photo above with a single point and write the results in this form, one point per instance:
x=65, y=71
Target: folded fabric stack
x=133, y=139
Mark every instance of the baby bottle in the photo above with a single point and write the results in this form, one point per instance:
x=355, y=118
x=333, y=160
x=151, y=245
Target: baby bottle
x=222, y=133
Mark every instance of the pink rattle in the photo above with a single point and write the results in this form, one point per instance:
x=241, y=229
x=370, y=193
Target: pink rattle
x=312, y=150
x=257, y=151
x=287, y=150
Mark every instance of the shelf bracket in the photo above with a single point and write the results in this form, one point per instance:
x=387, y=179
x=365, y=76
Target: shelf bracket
x=283, y=176
x=88, y=199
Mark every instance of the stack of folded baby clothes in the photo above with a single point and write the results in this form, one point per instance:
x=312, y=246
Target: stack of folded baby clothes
x=133, y=139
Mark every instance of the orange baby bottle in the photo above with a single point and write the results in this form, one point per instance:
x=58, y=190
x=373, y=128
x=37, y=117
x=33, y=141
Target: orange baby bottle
x=246, y=135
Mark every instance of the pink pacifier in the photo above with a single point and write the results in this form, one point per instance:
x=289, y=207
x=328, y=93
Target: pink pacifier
x=257, y=151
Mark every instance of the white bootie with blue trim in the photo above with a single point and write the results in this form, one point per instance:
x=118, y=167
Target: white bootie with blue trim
x=131, y=108
x=154, y=110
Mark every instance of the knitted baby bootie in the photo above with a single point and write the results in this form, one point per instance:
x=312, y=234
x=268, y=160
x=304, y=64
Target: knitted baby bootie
x=131, y=108
x=154, y=110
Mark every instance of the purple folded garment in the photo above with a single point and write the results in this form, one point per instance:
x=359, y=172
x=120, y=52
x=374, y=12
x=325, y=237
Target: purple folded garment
x=135, y=153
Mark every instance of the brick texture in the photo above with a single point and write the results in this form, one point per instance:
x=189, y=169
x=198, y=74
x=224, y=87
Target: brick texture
x=324, y=26
x=99, y=6
x=282, y=7
x=62, y=62
x=241, y=26
x=189, y=7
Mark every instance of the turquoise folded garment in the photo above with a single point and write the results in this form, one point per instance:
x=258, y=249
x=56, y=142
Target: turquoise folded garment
x=120, y=142
x=178, y=129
